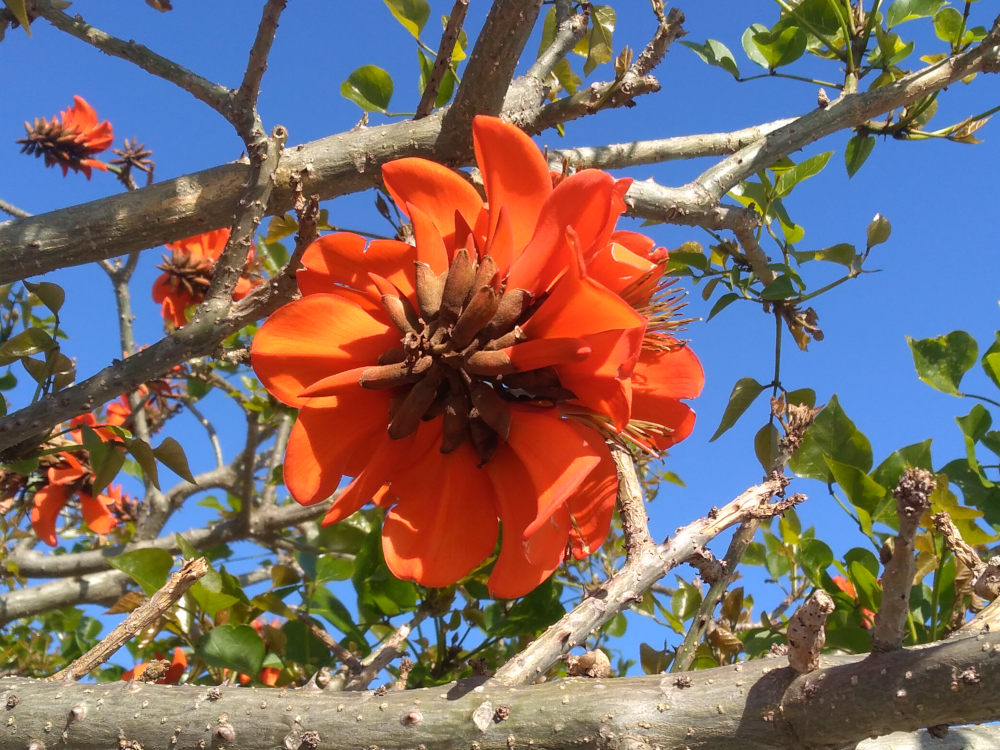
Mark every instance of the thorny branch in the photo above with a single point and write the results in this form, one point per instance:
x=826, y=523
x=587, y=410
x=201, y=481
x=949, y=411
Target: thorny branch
x=442, y=62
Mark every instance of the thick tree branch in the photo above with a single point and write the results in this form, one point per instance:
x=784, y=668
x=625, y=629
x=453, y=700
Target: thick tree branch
x=751, y=706
x=639, y=573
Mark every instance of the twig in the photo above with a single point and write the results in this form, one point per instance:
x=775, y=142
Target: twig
x=631, y=507
x=568, y=33
x=635, y=577
x=912, y=499
x=214, y=95
x=381, y=657
x=138, y=620
x=247, y=483
x=243, y=103
x=594, y=98
x=346, y=657
x=10, y=208
x=270, y=491
x=213, y=436
x=807, y=631
x=667, y=32
x=958, y=546
x=443, y=60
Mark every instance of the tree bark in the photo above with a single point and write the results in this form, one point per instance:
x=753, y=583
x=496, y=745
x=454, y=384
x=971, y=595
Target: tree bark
x=751, y=706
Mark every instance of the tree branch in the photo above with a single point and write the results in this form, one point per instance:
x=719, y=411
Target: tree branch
x=443, y=60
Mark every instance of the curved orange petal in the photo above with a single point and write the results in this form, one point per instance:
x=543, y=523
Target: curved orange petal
x=515, y=175
x=68, y=471
x=521, y=566
x=677, y=417
x=445, y=522
x=346, y=259
x=593, y=504
x=325, y=437
x=427, y=238
x=96, y=513
x=436, y=190
x=315, y=337
x=601, y=381
x=676, y=372
x=618, y=268
x=45, y=507
x=582, y=202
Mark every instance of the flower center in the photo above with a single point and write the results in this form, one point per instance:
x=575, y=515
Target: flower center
x=55, y=142
x=187, y=274
x=454, y=358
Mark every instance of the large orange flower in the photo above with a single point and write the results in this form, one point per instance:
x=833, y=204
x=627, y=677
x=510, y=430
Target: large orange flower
x=469, y=380
x=69, y=140
x=70, y=477
x=188, y=272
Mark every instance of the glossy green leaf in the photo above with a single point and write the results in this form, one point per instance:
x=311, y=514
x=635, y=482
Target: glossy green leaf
x=802, y=171
x=653, y=661
x=19, y=11
x=804, y=396
x=109, y=466
x=815, y=557
x=7, y=381
x=782, y=44
x=685, y=600
x=27, y=342
x=722, y=303
x=990, y=361
x=51, y=295
x=616, y=626
x=907, y=10
x=866, y=586
x=755, y=554
x=765, y=446
x=750, y=48
x=237, y=647
x=831, y=435
x=143, y=454
x=602, y=28
x=859, y=148
x=862, y=491
x=171, y=454
x=370, y=87
x=147, y=567
x=891, y=469
x=743, y=394
x=779, y=289
x=878, y=230
x=413, y=14
x=333, y=568
x=948, y=25
x=942, y=361
x=842, y=254
x=280, y=227
x=447, y=85
x=715, y=53
x=974, y=427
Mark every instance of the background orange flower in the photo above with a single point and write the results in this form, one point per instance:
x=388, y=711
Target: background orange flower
x=69, y=140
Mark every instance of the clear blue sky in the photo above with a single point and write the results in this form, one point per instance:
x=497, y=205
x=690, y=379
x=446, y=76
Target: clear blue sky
x=938, y=269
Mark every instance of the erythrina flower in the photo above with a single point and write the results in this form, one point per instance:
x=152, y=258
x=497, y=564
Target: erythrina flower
x=70, y=477
x=171, y=671
x=188, y=272
x=512, y=337
x=70, y=139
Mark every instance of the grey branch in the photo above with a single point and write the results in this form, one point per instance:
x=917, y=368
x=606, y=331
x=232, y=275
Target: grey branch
x=751, y=706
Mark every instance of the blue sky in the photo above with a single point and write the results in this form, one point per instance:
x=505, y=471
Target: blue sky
x=938, y=270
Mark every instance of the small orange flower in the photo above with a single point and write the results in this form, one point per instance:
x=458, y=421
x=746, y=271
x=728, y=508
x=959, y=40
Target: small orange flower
x=69, y=140
x=867, y=616
x=171, y=676
x=116, y=414
x=512, y=336
x=65, y=480
x=188, y=272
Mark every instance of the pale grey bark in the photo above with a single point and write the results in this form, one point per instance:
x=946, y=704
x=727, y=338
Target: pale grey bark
x=757, y=705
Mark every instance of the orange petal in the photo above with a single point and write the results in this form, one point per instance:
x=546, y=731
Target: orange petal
x=582, y=202
x=520, y=567
x=617, y=267
x=676, y=373
x=445, y=523
x=515, y=176
x=601, y=381
x=96, y=514
x=675, y=415
x=324, y=438
x=434, y=189
x=430, y=246
x=46, y=504
x=312, y=338
x=593, y=504
x=537, y=353
x=347, y=259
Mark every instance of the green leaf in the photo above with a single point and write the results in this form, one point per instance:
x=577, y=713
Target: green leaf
x=685, y=599
x=447, y=86
x=722, y=303
x=7, y=381
x=413, y=14
x=333, y=568
x=143, y=455
x=187, y=549
x=815, y=557
x=51, y=295
x=907, y=10
x=280, y=227
x=861, y=490
x=878, y=231
x=802, y=171
x=784, y=43
x=974, y=427
x=831, y=435
x=602, y=27
x=942, y=361
x=18, y=10
x=715, y=53
x=779, y=289
x=916, y=456
x=147, y=567
x=948, y=25
x=765, y=444
x=866, y=586
x=744, y=393
x=859, y=147
x=171, y=454
x=237, y=647
x=653, y=661
x=370, y=87
x=27, y=342
x=842, y=254
x=108, y=468
x=990, y=362
x=750, y=47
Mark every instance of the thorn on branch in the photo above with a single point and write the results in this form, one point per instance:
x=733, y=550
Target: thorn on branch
x=807, y=632
x=708, y=566
x=594, y=664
